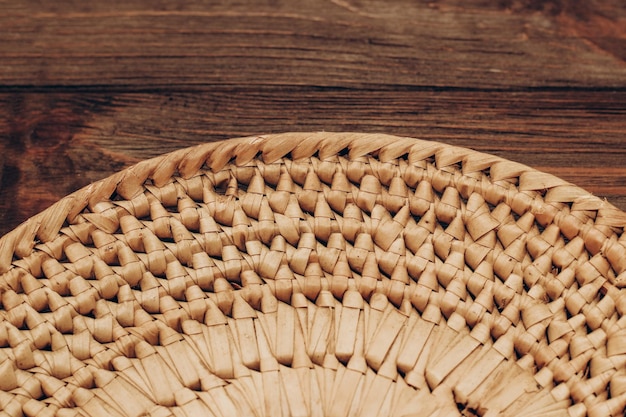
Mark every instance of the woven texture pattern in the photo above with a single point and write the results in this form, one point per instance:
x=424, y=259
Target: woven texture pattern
x=317, y=274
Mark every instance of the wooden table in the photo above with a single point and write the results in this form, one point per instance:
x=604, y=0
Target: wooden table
x=87, y=88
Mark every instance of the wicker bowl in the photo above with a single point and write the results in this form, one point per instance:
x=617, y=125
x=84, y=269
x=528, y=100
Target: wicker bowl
x=317, y=274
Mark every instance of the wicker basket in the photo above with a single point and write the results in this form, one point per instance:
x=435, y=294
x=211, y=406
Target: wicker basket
x=317, y=275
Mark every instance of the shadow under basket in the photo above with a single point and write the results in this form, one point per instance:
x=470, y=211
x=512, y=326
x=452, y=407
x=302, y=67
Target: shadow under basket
x=317, y=274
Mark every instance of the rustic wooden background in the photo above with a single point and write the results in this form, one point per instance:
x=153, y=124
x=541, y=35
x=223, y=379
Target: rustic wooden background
x=87, y=88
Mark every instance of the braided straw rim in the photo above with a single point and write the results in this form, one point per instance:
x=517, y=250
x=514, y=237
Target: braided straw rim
x=567, y=356
x=297, y=145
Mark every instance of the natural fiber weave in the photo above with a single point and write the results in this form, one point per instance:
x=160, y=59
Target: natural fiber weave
x=317, y=274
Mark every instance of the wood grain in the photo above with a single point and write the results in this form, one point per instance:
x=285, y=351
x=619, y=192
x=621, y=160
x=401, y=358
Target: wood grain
x=321, y=43
x=577, y=136
x=87, y=88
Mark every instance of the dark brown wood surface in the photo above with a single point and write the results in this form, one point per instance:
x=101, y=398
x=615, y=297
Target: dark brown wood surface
x=87, y=88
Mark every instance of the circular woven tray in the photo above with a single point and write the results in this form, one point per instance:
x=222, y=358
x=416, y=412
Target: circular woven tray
x=317, y=274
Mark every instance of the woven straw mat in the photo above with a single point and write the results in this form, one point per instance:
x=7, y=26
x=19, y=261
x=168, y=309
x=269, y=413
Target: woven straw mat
x=317, y=275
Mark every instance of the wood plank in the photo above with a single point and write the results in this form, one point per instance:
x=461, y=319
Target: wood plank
x=57, y=142
x=342, y=43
